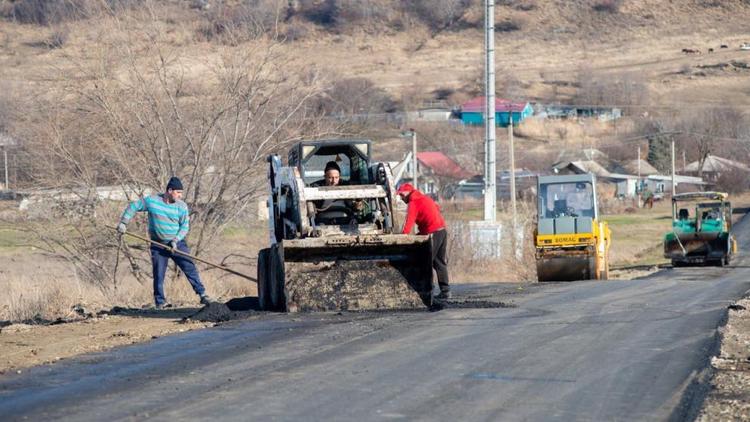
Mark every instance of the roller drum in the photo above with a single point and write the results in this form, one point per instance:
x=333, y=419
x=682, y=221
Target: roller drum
x=566, y=268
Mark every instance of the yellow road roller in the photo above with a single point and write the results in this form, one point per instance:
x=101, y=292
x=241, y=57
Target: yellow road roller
x=571, y=242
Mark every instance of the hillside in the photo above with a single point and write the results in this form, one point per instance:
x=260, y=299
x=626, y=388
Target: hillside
x=384, y=55
x=539, y=43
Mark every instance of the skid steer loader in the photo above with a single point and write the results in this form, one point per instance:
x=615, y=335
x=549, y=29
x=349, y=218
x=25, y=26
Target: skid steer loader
x=335, y=247
x=571, y=242
x=701, y=230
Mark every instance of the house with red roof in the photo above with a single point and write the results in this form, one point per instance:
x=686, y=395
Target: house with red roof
x=435, y=170
x=473, y=111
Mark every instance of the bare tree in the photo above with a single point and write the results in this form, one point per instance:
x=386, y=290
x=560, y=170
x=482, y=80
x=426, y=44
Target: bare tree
x=706, y=131
x=596, y=88
x=140, y=110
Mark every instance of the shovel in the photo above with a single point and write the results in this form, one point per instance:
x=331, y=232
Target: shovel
x=221, y=267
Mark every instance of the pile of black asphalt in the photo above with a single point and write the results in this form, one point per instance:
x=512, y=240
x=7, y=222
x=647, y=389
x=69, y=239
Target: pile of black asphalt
x=245, y=307
x=238, y=308
x=471, y=304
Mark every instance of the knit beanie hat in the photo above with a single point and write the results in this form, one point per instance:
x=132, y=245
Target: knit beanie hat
x=174, y=183
x=331, y=165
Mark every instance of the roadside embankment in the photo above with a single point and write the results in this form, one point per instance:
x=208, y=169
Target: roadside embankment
x=728, y=397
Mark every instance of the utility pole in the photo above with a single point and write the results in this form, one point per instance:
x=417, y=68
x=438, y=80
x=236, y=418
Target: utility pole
x=512, y=175
x=673, y=184
x=5, y=161
x=6, y=142
x=638, y=187
x=639, y=163
x=490, y=172
x=414, y=158
x=684, y=161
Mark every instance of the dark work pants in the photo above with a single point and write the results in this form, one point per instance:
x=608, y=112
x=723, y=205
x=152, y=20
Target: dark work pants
x=439, y=261
x=160, y=258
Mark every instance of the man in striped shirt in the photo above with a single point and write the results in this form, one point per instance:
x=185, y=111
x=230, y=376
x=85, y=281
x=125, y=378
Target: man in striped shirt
x=168, y=224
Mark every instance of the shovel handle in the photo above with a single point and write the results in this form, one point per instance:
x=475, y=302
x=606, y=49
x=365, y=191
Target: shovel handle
x=221, y=267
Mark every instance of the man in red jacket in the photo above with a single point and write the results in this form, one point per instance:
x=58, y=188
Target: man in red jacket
x=423, y=211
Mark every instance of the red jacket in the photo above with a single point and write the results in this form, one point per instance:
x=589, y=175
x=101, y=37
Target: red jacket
x=423, y=211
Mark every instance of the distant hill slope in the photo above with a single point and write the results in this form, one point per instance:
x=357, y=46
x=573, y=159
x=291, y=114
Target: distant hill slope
x=418, y=48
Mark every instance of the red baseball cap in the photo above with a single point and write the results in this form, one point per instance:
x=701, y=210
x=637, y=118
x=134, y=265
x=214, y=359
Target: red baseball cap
x=405, y=188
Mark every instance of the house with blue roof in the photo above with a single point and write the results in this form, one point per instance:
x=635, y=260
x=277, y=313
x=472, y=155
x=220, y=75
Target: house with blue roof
x=472, y=111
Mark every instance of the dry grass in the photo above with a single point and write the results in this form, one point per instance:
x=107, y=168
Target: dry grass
x=29, y=298
x=37, y=285
x=463, y=263
x=33, y=298
x=637, y=237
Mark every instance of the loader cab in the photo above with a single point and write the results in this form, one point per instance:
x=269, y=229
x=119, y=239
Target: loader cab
x=352, y=156
x=691, y=215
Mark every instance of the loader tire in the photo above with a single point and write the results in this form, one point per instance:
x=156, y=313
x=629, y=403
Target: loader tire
x=264, y=297
x=276, y=278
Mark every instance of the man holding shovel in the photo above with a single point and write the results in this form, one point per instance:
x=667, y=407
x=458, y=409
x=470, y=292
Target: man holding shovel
x=168, y=224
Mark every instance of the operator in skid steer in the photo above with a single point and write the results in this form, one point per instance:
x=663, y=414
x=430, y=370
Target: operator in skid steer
x=338, y=211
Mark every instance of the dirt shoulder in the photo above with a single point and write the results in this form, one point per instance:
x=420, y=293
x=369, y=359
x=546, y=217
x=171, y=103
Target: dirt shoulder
x=26, y=345
x=729, y=395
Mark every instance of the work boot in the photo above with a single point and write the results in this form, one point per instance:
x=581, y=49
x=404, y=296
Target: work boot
x=206, y=299
x=446, y=295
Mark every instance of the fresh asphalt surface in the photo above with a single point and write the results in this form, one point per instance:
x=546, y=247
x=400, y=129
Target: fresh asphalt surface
x=596, y=351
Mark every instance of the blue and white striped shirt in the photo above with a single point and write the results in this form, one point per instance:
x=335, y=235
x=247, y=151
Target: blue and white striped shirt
x=166, y=222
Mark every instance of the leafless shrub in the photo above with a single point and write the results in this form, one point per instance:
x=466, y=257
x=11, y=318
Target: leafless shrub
x=606, y=89
x=355, y=97
x=510, y=24
x=711, y=131
x=526, y=5
x=46, y=12
x=607, y=6
x=354, y=11
x=325, y=12
x=464, y=145
x=440, y=14
x=52, y=12
x=58, y=38
x=295, y=33
x=232, y=24
x=733, y=181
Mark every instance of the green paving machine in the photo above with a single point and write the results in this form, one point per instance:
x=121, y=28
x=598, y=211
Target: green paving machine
x=701, y=230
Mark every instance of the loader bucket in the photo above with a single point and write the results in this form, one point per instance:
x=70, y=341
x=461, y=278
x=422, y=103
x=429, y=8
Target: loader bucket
x=353, y=273
x=696, y=247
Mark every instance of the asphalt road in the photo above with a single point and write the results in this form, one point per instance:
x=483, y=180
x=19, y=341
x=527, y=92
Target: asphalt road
x=597, y=351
